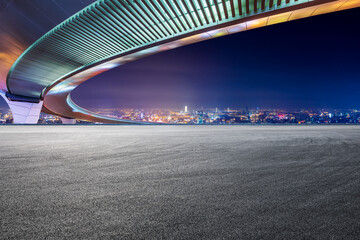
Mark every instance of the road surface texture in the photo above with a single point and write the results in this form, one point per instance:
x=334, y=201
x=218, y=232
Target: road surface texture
x=180, y=182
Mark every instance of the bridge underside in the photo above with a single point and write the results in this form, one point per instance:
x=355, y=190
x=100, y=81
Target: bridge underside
x=111, y=33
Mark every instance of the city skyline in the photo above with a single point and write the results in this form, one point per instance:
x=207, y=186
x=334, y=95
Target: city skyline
x=213, y=116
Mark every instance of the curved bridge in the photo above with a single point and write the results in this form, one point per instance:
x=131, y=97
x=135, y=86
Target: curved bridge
x=110, y=33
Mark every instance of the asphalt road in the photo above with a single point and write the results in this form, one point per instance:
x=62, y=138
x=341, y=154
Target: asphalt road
x=180, y=182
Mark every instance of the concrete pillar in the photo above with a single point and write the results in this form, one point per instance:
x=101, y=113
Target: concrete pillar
x=68, y=120
x=24, y=112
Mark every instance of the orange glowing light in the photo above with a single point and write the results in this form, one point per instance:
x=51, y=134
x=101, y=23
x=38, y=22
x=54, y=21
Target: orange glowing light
x=256, y=23
x=10, y=50
x=279, y=18
x=349, y=4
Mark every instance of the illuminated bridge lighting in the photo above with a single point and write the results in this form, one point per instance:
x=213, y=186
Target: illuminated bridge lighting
x=110, y=33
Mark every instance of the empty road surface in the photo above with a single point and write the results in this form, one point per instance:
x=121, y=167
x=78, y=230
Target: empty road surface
x=179, y=182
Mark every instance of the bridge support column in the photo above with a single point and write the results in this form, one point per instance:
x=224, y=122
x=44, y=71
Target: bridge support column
x=68, y=120
x=24, y=112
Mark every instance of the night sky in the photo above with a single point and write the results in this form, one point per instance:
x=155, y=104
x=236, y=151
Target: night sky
x=307, y=63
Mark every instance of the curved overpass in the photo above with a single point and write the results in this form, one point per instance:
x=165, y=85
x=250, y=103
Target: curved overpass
x=110, y=33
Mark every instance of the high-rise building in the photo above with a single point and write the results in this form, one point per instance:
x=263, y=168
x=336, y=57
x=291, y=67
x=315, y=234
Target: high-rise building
x=186, y=109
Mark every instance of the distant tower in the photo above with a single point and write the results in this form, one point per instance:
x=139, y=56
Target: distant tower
x=228, y=109
x=216, y=110
x=201, y=117
x=186, y=110
x=248, y=113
